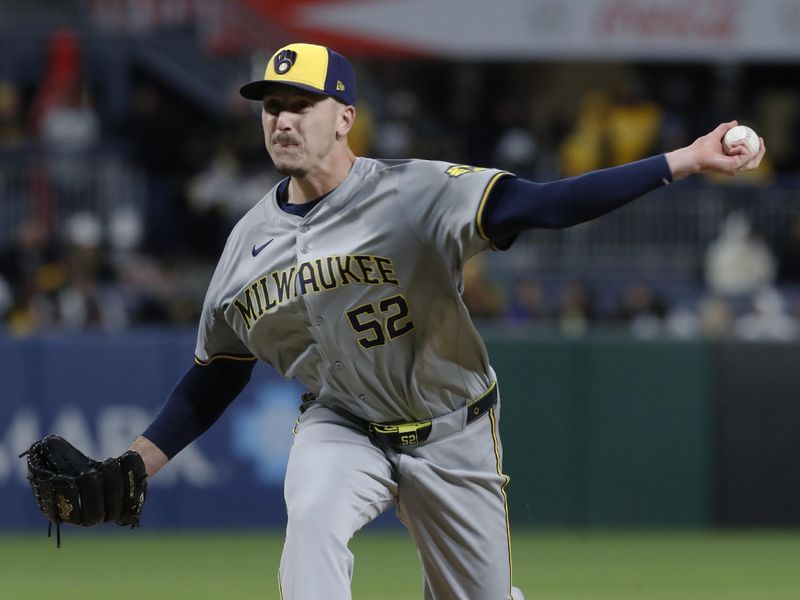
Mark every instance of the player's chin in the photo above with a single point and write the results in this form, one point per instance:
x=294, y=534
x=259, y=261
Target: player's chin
x=291, y=169
x=288, y=165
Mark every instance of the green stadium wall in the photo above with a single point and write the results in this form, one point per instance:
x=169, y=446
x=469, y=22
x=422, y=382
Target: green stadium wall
x=598, y=432
x=607, y=432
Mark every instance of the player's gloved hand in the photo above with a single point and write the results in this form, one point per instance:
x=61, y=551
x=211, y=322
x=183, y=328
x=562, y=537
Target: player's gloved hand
x=71, y=488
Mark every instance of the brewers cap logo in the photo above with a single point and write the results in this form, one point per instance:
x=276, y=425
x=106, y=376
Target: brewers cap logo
x=284, y=61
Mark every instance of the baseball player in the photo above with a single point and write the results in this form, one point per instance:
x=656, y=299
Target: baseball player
x=347, y=277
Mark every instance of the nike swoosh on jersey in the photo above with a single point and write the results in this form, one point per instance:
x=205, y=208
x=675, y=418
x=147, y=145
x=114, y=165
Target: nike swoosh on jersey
x=258, y=249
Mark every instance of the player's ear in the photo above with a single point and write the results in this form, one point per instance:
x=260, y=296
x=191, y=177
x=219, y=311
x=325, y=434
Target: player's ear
x=347, y=116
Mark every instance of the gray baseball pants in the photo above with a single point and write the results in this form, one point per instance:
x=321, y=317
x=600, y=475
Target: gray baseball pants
x=449, y=493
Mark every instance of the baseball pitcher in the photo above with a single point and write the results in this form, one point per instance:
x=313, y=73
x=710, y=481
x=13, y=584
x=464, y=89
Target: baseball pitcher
x=347, y=276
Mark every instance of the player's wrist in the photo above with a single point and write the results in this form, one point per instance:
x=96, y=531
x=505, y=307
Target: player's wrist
x=152, y=456
x=682, y=162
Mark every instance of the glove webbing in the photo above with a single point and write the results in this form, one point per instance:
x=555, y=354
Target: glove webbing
x=49, y=523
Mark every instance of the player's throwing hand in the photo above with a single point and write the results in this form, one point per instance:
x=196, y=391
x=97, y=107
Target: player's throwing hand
x=707, y=155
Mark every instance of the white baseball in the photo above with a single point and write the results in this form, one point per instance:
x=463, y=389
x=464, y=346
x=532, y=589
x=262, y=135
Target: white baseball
x=741, y=132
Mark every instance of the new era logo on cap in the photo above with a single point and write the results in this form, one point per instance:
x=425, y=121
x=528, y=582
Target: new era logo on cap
x=309, y=67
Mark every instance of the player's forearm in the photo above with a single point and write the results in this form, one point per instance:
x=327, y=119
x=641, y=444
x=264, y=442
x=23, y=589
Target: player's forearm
x=154, y=459
x=198, y=400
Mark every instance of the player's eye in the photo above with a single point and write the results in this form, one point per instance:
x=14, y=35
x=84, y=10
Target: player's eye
x=300, y=105
x=273, y=108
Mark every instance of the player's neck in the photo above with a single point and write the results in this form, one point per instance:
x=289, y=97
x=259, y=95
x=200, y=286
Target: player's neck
x=320, y=182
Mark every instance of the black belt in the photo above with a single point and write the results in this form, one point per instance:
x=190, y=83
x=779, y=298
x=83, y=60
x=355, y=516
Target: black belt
x=400, y=435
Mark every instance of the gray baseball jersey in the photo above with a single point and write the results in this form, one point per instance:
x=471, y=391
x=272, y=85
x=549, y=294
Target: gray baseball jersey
x=360, y=300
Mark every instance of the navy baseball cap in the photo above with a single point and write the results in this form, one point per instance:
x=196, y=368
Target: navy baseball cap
x=309, y=67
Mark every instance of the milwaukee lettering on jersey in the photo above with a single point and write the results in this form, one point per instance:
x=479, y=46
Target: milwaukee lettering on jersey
x=318, y=275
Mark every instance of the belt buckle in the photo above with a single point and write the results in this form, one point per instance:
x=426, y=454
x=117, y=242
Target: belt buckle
x=402, y=434
x=408, y=433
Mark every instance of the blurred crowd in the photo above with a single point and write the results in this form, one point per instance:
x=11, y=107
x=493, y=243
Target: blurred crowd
x=66, y=266
x=738, y=298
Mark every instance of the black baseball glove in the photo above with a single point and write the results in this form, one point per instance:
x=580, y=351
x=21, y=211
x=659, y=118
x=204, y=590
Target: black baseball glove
x=71, y=488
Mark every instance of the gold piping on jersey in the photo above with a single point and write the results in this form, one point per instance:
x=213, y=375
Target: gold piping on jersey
x=483, y=395
x=239, y=357
x=505, y=496
x=479, y=214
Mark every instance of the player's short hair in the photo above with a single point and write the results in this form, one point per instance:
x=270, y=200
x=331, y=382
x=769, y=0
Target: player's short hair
x=308, y=67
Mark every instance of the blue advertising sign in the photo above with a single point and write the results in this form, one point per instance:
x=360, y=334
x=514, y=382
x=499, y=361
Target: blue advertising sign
x=101, y=391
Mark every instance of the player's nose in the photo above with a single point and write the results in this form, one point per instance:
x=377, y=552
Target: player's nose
x=283, y=121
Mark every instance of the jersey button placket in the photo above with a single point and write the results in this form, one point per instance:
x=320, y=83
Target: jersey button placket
x=302, y=239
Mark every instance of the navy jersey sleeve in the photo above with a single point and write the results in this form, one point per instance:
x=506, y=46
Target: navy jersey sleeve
x=198, y=400
x=516, y=205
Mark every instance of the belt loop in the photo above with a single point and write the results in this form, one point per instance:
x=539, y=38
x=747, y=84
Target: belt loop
x=481, y=406
x=305, y=401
